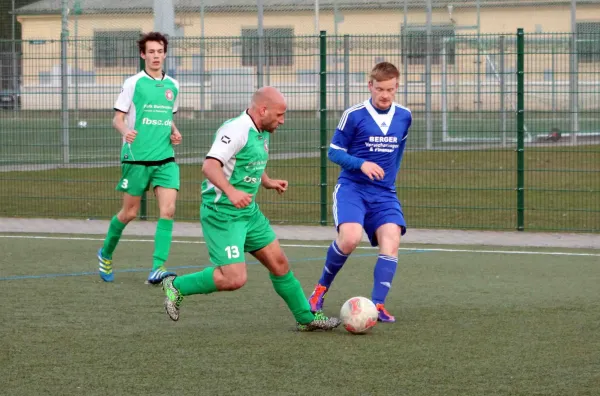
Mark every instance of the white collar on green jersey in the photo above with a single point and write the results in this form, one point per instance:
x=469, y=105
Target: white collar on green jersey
x=163, y=75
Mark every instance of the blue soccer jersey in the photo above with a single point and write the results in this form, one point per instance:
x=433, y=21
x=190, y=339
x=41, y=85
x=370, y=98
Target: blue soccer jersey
x=373, y=135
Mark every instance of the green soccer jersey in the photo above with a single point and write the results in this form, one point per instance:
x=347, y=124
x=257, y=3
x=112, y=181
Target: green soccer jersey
x=149, y=105
x=243, y=151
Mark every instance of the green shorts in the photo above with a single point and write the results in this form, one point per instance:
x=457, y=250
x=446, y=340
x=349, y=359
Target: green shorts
x=228, y=238
x=136, y=178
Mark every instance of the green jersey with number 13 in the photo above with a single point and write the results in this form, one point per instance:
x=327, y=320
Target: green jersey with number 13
x=243, y=151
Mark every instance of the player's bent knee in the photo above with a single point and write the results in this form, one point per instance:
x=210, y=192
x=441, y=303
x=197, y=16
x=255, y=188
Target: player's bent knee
x=130, y=208
x=280, y=266
x=349, y=237
x=128, y=214
x=230, y=277
x=273, y=258
x=236, y=283
x=347, y=243
x=392, y=240
x=389, y=249
x=167, y=211
x=389, y=241
x=166, y=201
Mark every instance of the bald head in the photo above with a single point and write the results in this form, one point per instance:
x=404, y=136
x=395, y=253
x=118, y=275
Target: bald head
x=267, y=108
x=267, y=97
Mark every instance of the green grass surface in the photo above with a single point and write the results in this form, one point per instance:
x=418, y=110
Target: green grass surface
x=37, y=137
x=468, y=324
x=463, y=189
x=441, y=188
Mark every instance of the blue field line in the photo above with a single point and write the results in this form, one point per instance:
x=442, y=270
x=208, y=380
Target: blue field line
x=46, y=276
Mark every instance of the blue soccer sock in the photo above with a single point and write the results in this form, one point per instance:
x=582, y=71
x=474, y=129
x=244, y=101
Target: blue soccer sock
x=333, y=264
x=383, y=274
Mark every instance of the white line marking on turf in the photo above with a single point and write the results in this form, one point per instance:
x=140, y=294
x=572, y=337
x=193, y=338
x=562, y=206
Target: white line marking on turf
x=443, y=250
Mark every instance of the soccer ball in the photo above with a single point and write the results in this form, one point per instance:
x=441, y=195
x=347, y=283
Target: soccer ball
x=82, y=124
x=358, y=315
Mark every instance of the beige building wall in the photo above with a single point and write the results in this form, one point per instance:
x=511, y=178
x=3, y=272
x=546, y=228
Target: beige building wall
x=493, y=20
x=44, y=56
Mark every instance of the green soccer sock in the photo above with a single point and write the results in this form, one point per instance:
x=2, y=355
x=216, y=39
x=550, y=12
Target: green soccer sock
x=288, y=288
x=162, y=242
x=201, y=282
x=112, y=237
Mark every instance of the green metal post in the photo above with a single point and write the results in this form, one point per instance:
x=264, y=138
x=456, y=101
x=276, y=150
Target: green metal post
x=144, y=202
x=64, y=82
x=76, y=12
x=520, y=129
x=323, y=124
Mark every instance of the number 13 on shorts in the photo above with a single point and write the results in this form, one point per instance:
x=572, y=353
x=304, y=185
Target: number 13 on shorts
x=232, y=252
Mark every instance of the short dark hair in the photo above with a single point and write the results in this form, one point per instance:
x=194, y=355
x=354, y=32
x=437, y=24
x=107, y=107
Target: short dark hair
x=152, y=36
x=384, y=71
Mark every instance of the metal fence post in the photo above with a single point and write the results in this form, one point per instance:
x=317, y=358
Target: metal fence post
x=553, y=83
x=64, y=81
x=323, y=122
x=428, y=112
x=502, y=91
x=404, y=46
x=261, y=46
x=444, y=90
x=346, y=71
x=202, y=63
x=520, y=129
x=16, y=86
x=574, y=75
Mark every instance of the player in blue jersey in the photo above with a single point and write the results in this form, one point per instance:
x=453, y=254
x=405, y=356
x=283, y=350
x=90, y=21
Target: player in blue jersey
x=368, y=145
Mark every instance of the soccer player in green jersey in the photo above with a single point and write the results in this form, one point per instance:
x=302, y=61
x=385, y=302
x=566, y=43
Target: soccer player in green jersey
x=144, y=117
x=232, y=222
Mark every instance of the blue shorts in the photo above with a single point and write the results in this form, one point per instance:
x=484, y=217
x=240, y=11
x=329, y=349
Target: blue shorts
x=352, y=203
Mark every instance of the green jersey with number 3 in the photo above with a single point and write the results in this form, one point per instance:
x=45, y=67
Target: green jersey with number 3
x=149, y=104
x=243, y=152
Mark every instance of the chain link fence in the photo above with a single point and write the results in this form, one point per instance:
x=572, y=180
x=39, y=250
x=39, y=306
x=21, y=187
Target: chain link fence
x=113, y=25
x=459, y=76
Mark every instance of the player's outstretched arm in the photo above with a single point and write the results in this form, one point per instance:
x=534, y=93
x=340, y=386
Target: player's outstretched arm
x=120, y=125
x=273, y=184
x=213, y=171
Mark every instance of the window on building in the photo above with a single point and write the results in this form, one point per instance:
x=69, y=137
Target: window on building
x=414, y=43
x=588, y=42
x=116, y=48
x=279, y=47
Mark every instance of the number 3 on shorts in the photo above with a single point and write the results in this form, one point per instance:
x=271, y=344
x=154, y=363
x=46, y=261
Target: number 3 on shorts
x=125, y=183
x=232, y=252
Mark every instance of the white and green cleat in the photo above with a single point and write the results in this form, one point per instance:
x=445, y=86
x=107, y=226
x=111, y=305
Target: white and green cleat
x=173, y=298
x=320, y=322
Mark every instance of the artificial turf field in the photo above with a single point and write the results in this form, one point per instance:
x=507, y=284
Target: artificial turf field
x=471, y=321
x=450, y=186
x=36, y=137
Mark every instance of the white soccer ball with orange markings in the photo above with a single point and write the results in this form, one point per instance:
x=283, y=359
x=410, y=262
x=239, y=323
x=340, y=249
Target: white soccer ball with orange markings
x=358, y=315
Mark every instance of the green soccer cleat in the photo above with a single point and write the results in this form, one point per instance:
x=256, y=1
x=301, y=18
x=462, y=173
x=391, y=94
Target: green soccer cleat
x=173, y=298
x=321, y=322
